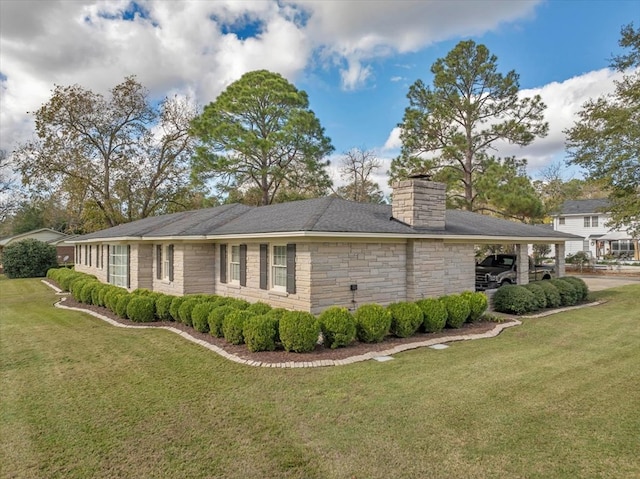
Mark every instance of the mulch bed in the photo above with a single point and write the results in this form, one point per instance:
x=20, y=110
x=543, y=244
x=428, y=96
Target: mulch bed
x=281, y=356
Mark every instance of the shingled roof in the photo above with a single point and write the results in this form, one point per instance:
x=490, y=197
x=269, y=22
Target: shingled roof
x=319, y=217
x=581, y=207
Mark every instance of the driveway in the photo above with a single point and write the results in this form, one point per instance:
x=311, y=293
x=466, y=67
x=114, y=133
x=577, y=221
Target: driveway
x=597, y=283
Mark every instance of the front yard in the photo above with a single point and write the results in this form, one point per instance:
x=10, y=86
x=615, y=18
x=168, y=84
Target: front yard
x=556, y=397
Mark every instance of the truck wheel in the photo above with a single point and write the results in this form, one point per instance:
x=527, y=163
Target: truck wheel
x=506, y=281
x=546, y=276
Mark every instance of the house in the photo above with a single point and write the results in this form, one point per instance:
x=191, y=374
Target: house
x=64, y=252
x=588, y=219
x=309, y=255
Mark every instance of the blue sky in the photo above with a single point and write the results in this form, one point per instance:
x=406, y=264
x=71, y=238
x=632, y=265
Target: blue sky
x=355, y=59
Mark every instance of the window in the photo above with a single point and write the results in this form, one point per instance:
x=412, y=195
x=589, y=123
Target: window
x=587, y=221
x=561, y=220
x=594, y=221
x=164, y=262
x=279, y=267
x=234, y=264
x=119, y=265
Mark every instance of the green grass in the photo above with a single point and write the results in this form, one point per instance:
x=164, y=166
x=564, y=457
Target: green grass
x=558, y=397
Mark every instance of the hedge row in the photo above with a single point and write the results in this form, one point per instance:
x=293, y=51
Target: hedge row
x=263, y=328
x=532, y=297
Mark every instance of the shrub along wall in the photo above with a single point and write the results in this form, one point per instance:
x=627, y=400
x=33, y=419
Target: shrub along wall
x=263, y=328
x=514, y=299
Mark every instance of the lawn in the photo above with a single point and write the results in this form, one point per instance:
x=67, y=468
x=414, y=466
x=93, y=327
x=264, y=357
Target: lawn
x=558, y=397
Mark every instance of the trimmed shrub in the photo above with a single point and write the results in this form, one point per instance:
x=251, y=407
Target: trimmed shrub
x=75, y=288
x=514, y=299
x=163, y=303
x=539, y=296
x=141, y=308
x=478, y=304
x=233, y=326
x=568, y=292
x=406, y=318
x=103, y=292
x=299, y=331
x=121, y=305
x=112, y=297
x=86, y=291
x=95, y=293
x=184, y=311
x=176, y=302
x=67, y=279
x=458, y=309
x=260, y=333
x=551, y=294
x=235, y=303
x=200, y=316
x=259, y=308
x=435, y=314
x=338, y=327
x=277, y=314
x=216, y=319
x=372, y=323
x=580, y=285
x=28, y=258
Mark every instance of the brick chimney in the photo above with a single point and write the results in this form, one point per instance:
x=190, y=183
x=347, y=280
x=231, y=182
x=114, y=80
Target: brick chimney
x=419, y=202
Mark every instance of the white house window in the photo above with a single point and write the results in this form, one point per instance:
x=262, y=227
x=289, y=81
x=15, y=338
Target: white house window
x=119, y=265
x=587, y=221
x=561, y=220
x=594, y=221
x=234, y=264
x=166, y=261
x=279, y=267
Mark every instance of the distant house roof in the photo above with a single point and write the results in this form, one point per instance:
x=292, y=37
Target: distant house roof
x=46, y=235
x=328, y=216
x=581, y=207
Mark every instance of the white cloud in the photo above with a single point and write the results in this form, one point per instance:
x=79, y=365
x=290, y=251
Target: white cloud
x=393, y=140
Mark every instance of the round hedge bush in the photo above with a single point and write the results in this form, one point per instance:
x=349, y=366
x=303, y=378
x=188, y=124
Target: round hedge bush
x=538, y=293
x=458, y=309
x=200, y=316
x=216, y=319
x=121, y=305
x=112, y=297
x=551, y=293
x=141, y=309
x=338, y=327
x=28, y=258
x=184, y=311
x=233, y=326
x=514, y=299
x=259, y=308
x=260, y=333
x=163, y=303
x=372, y=323
x=406, y=318
x=580, y=285
x=478, y=304
x=568, y=292
x=86, y=292
x=176, y=302
x=299, y=331
x=435, y=314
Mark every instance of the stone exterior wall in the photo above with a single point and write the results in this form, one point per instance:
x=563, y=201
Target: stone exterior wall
x=459, y=268
x=141, y=264
x=419, y=203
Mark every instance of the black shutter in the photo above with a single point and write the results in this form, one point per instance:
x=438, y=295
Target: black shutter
x=170, y=258
x=264, y=250
x=108, y=263
x=291, y=268
x=243, y=265
x=223, y=263
x=158, y=261
x=90, y=254
x=128, y=266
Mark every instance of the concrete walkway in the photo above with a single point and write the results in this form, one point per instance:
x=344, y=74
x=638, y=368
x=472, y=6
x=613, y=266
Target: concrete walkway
x=598, y=283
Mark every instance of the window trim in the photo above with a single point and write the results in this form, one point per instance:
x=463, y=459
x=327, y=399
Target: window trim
x=119, y=265
x=276, y=268
x=234, y=266
x=587, y=221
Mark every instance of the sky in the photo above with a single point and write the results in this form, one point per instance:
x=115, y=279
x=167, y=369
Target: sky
x=355, y=59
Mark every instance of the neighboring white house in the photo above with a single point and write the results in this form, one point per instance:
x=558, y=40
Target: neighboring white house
x=589, y=218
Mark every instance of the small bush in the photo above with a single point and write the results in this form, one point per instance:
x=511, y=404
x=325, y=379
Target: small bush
x=68, y=278
x=184, y=311
x=233, y=326
x=259, y=308
x=458, y=309
x=200, y=316
x=435, y=314
x=28, y=258
x=95, y=294
x=112, y=297
x=176, y=302
x=551, y=294
x=86, y=292
x=216, y=319
x=568, y=292
x=478, y=304
x=163, y=303
x=406, y=318
x=260, y=333
x=235, y=303
x=338, y=327
x=372, y=323
x=299, y=331
x=539, y=295
x=140, y=308
x=580, y=285
x=514, y=299
x=121, y=306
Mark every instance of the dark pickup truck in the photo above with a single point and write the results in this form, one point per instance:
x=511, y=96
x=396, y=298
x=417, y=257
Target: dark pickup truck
x=499, y=269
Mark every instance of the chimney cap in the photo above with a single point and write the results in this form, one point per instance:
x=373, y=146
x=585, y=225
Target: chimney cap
x=420, y=176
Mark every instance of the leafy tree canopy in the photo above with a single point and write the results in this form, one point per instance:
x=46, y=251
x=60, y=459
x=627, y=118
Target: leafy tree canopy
x=606, y=138
x=449, y=128
x=260, y=134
